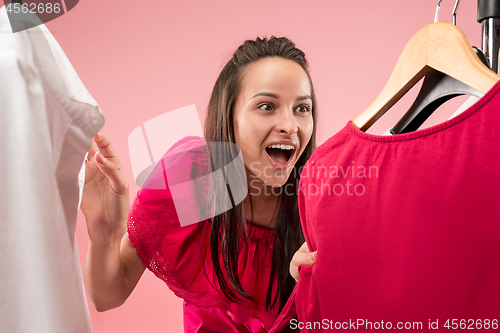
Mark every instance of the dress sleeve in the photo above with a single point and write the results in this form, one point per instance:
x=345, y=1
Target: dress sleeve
x=284, y=322
x=172, y=249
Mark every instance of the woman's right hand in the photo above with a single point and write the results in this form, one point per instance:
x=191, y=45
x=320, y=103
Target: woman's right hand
x=113, y=267
x=105, y=200
x=301, y=257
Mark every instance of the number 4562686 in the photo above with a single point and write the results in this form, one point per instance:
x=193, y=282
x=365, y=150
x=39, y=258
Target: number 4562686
x=33, y=8
x=471, y=324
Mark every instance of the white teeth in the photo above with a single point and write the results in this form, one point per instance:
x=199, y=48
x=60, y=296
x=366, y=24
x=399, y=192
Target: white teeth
x=284, y=147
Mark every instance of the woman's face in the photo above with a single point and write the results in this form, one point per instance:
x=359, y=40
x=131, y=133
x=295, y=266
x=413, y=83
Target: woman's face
x=273, y=118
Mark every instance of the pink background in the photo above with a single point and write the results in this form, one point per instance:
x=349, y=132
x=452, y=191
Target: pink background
x=140, y=59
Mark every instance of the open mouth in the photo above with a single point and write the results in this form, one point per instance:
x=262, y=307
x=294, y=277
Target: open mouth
x=281, y=154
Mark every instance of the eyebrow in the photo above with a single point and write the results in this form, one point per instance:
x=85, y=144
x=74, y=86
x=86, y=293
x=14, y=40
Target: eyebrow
x=268, y=94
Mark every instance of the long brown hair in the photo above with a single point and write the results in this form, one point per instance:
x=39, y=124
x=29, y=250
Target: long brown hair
x=227, y=227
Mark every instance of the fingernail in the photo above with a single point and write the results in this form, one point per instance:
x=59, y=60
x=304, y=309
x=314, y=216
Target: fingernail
x=313, y=255
x=100, y=158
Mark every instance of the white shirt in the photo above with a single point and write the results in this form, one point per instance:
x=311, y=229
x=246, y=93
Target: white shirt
x=46, y=127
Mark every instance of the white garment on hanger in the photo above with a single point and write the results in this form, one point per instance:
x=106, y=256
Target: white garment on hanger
x=47, y=121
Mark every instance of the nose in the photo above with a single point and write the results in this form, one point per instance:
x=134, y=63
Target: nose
x=287, y=123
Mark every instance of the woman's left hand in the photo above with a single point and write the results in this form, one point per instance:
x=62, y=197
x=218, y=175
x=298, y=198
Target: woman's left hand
x=301, y=257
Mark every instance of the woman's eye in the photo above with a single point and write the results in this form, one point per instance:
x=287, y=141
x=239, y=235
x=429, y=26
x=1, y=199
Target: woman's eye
x=303, y=108
x=266, y=107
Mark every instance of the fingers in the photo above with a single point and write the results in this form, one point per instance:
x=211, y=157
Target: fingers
x=301, y=257
x=92, y=151
x=304, y=247
x=108, y=163
x=106, y=148
x=113, y=172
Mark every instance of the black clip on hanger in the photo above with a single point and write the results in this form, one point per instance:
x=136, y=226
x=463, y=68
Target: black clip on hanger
x=436, y=90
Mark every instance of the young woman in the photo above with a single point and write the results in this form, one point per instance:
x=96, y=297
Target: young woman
x=233, y=269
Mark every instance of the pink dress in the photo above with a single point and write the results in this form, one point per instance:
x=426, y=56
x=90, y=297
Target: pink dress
x=180, y=256
x=407, y=228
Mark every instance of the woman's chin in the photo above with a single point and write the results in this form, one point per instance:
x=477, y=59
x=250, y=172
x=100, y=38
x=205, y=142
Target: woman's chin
x=274, y=182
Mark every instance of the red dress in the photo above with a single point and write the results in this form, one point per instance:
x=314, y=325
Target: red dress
x=407, y=228
x=180, y=256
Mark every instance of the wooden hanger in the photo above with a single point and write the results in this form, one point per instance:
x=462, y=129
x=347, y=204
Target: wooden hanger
x=440, y=46
x=435, y=91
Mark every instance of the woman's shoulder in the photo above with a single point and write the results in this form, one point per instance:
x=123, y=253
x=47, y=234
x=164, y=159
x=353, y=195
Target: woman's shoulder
x=164, y=222
x=184, y=159
x=176, y=182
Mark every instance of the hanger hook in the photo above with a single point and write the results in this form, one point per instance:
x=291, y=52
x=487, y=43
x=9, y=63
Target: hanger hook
x=454, y=16
x=436, y=17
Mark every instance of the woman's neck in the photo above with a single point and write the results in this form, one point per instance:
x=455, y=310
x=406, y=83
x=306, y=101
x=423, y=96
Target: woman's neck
x=261, y=204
